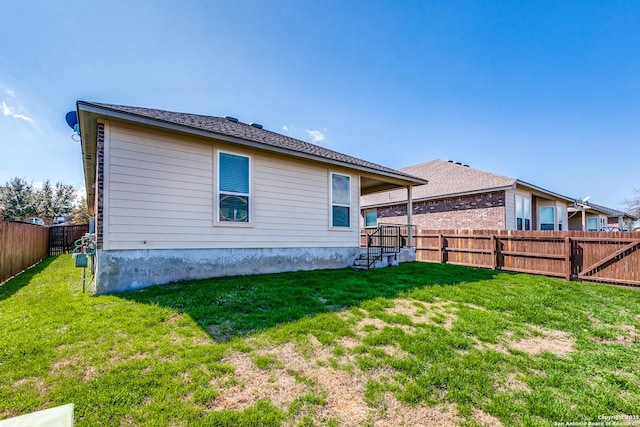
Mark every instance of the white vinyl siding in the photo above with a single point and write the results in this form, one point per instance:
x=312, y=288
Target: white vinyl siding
x=162, y=190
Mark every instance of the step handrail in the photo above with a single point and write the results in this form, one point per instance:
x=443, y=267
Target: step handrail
x=386, y=239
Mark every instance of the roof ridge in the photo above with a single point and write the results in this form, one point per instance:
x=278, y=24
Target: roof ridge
x=221, y=126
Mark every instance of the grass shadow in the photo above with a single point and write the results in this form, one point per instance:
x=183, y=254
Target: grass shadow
x=229, y=307
x=22, y=279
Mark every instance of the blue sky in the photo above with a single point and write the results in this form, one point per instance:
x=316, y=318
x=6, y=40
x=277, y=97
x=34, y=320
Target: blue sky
x=544, y=91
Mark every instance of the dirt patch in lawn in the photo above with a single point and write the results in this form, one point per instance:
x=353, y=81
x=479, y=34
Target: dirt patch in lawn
x=486, y=419
x=399, y=414
x=253, y=384
x=556, y=342
x=423, y=313
x=32, y=383
x=511, y=383
x=341, y=386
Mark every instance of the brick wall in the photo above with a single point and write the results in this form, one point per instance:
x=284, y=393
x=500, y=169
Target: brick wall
x=475, y=212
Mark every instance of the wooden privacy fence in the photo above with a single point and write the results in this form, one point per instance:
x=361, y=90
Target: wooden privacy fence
x=63, y=237
x=21, y=246
x=584, y=255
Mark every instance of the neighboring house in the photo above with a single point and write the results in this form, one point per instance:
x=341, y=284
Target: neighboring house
x=461, y=197
x=591, y=217
x=182, y=196
x=36, y=221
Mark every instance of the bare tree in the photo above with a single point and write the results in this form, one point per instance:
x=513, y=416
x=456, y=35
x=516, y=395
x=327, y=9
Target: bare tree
x=633, y=204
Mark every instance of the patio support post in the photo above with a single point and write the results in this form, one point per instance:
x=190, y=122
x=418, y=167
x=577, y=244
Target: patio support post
x=409, y=216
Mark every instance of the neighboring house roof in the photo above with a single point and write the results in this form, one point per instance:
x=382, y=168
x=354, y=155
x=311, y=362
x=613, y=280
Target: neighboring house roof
x=453, y=178
x=605, y=210
x=450, y=179
x=227, y=130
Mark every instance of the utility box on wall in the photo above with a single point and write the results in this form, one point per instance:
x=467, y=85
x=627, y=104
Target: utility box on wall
x=81, y=260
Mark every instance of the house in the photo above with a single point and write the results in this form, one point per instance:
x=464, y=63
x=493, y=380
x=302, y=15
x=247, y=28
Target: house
x=461, y=197
x=588, y=216
x=180, y=196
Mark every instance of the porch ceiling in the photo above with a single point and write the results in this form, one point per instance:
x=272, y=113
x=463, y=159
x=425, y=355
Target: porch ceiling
x=369, y=185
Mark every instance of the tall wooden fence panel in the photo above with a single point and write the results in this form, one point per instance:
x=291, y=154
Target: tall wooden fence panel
x=592, y=256
x=21, y=246
x=63, y=237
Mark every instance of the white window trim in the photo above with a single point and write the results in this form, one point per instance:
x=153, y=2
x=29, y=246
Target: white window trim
x=216, y=186
x=331, y=204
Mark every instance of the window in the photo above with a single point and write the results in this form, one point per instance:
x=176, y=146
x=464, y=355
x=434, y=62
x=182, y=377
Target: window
x=233, y=188
x=547, y=218
x=523, y=213
x=371, y=218
x=559, y=218
x=340, y=200
x=592, y=224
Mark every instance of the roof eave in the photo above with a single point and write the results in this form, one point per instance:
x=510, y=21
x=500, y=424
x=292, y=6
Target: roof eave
x=398, y=179
x=543, y=191
x=87, y=121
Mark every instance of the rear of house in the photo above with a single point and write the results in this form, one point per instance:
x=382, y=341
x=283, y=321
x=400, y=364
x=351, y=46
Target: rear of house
x=180, y=196
x=591, y=217
x=461, y=197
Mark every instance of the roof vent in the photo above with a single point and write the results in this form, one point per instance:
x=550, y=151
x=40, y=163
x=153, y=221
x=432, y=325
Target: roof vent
x=450, y=161
x=466, y=166
x=459, y=163
x=256, y=125
x=231, y=119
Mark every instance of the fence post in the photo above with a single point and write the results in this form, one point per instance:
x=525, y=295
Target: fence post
x=567, y=257
x=441, y=243
x=494, y=251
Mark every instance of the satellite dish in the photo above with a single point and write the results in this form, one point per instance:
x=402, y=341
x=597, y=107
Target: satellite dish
x=586, y=199
x=72, y=120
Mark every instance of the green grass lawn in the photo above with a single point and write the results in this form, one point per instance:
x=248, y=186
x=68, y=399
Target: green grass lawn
x=418, y=344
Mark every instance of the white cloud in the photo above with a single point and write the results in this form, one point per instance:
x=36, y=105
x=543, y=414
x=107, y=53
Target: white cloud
x=11, y=93
x=285, y=128
x=316, y=136
x=12, y=112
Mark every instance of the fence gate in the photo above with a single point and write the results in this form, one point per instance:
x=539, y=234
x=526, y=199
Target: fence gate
x=62, y=237
x=607, y=260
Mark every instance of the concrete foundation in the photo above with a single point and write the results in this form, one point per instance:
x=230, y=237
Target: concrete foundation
x=124, y=270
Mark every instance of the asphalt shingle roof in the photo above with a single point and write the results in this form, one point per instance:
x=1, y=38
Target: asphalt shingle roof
x=609, y=211
x=244, y=131
x=445, y=179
